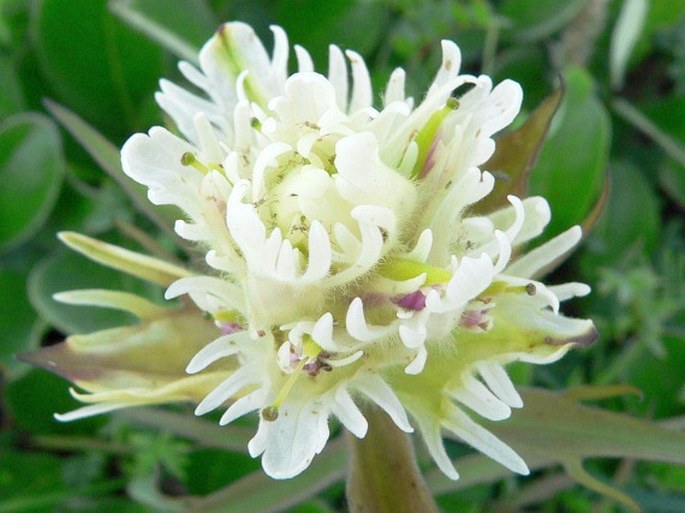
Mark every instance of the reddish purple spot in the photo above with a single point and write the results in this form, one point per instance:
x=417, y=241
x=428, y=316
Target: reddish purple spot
x=413, y=301
x=476, y=319
x=230, y=327
x=430, y=160
x=315, y=367
x=472, y=318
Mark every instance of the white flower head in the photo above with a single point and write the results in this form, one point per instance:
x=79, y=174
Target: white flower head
x=344, y=262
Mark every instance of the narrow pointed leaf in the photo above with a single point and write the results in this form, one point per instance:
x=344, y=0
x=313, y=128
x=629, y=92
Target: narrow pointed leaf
x=31, y=171
x=135, y=264
x=180, y=30
x=125, y=301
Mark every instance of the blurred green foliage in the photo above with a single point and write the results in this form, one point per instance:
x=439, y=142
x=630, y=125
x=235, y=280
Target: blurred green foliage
x=620, y=129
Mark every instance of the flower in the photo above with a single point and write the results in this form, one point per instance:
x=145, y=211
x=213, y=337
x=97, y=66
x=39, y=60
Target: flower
x=345, y=260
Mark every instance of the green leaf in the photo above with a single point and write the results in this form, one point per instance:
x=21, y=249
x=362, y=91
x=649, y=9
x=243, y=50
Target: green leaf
x=554, y=428
x=107, y=156
x=181, y=30
x=527, y=65
x=312, y=507
x=369, y=20
x=66, y=270
x=516, y=153
x=11, y=94
x=571, y=169
x=663, y=125
x=26, y=478
x=661, y=379
x=18, y=322
x=31, y=171
x=209, y=469
x=95, y=63
x=661, y=121
x=36, y=483
x=623, y=226
x=536, y=19
x=315, y=24
x=83, y=209
x=672, y=180
x=658, y=502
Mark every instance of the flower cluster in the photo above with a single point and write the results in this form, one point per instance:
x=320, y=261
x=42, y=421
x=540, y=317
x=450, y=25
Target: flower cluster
x=346, y=262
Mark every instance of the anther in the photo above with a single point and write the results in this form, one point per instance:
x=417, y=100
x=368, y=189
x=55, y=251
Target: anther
x=531, y=289
x=189, y=159
x=270, y=413
x=452, y=103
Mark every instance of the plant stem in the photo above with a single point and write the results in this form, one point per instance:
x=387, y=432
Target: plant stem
x=384, y=476
x=204, y=432
x=579, y=38
x=75, y=443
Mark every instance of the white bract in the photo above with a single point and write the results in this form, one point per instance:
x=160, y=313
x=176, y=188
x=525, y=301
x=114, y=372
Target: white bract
x=345, y=266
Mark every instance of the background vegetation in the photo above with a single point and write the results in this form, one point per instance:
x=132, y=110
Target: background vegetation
x=618, y=140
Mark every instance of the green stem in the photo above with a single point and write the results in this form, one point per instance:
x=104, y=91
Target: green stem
x=651, y=130
x=384, y=476
x=579, y=37
x=76, y=443
x=206, y=433
x=490, y=47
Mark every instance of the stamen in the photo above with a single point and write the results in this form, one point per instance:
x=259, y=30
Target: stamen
x=499, y=287
x=270, y=413
x=189, y=159
x=529, y=289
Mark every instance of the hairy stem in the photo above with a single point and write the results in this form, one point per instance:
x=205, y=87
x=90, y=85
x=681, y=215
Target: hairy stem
x=384, y=476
